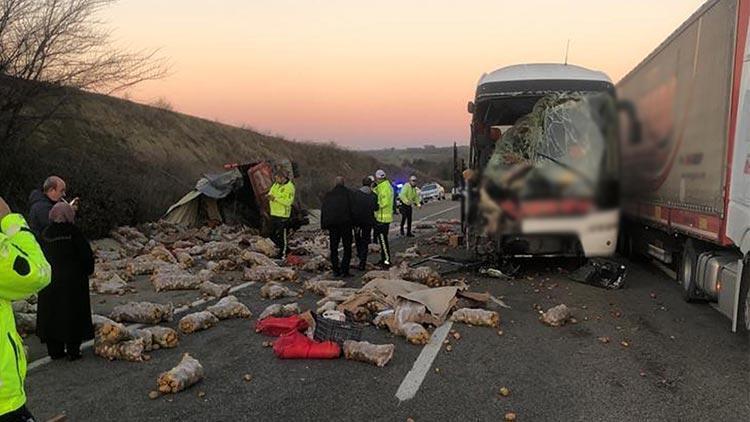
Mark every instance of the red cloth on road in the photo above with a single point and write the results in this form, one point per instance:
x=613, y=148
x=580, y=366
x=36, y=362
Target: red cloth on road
x=294, y=260
x=274, y=327
x=295, y=345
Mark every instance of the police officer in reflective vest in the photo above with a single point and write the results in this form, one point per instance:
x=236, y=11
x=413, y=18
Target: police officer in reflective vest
x=409, y=198
x=384, y=215
x=280, y=200
x=23, y=272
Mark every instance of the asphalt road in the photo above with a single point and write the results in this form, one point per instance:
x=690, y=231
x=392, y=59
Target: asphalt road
x=681, y=363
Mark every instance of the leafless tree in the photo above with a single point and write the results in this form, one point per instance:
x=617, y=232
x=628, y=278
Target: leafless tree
x=52, y=49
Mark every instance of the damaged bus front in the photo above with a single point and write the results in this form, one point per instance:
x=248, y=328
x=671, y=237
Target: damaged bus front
x=543, y=173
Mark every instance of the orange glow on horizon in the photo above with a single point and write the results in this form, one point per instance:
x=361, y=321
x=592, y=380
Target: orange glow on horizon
x=372, y=75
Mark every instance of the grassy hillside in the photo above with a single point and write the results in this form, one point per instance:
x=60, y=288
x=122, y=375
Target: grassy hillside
x=435, y=162
x=129, y=162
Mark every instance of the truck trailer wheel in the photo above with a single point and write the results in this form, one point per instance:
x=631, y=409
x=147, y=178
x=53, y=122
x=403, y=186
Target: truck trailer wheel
x=686, y=273
x=743, y=313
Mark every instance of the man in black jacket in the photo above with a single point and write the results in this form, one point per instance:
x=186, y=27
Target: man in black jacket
x=42, y=200
x=336, y=217
x=364, y=205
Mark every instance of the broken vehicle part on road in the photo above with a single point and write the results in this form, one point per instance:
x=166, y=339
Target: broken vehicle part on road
x=600, y=272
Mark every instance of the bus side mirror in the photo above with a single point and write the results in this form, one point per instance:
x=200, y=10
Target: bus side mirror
x=633, y=128
x=470, y=107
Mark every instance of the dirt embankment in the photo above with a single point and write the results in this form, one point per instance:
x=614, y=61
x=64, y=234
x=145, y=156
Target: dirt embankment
x=128, y=162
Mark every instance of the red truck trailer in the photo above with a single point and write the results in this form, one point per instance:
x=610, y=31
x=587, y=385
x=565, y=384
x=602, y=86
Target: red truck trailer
x=686, y=159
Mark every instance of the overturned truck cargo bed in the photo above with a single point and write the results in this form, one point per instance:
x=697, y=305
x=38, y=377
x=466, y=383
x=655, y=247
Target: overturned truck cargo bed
x=235, y=196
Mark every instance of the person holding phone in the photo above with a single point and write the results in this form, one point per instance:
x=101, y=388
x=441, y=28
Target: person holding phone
x=42, y=200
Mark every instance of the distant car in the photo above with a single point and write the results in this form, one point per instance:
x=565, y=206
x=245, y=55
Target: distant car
x=432, y=191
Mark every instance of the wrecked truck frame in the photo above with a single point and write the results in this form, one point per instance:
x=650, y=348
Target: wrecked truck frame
x=543, y=164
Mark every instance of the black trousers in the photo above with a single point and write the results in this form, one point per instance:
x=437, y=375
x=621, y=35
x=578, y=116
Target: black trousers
x=362, y=238
x=279, y=235
x=21, y=414
x=405, y=211
x=58, y=349
x=381, y=235
x=341, y=234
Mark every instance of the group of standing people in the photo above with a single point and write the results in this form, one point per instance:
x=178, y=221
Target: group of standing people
x=64, y=308
x=50, y=256
x=366, y=213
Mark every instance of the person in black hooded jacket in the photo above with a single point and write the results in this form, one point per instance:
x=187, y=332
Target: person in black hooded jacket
x=364, y=205
x=336, y=217
x=64, y=306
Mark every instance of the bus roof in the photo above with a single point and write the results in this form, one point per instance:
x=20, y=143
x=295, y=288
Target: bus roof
x=543, y=71
x=541, y=78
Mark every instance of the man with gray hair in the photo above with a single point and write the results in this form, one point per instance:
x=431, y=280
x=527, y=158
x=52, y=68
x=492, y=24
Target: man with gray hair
x=42, y=201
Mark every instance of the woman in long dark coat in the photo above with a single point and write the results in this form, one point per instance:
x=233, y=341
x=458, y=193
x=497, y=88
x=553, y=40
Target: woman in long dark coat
x=64, y=307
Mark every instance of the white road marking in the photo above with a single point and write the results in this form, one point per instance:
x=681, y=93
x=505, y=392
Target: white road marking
x=45, y=360
x=413, y=380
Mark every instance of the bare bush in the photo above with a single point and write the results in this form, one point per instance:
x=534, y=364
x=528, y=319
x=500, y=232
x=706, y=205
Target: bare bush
x=163, y=104
x=50, y=49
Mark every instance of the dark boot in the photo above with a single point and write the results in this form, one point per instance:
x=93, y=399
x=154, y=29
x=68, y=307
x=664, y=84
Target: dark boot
x=55, y=349
x=73, y=350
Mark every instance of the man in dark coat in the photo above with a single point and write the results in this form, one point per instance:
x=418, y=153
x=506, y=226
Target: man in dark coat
x=42, y=200
x=336, y=217
x=64, y=307
x=364, y=205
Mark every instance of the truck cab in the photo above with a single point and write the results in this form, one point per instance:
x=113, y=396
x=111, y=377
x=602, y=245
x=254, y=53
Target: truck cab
x=543, y=163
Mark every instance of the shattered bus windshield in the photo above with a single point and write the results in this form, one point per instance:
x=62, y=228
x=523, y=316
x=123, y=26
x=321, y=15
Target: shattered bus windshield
x=561, y=148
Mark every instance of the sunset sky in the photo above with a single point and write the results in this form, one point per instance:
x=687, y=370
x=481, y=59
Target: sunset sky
x=370, y=74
